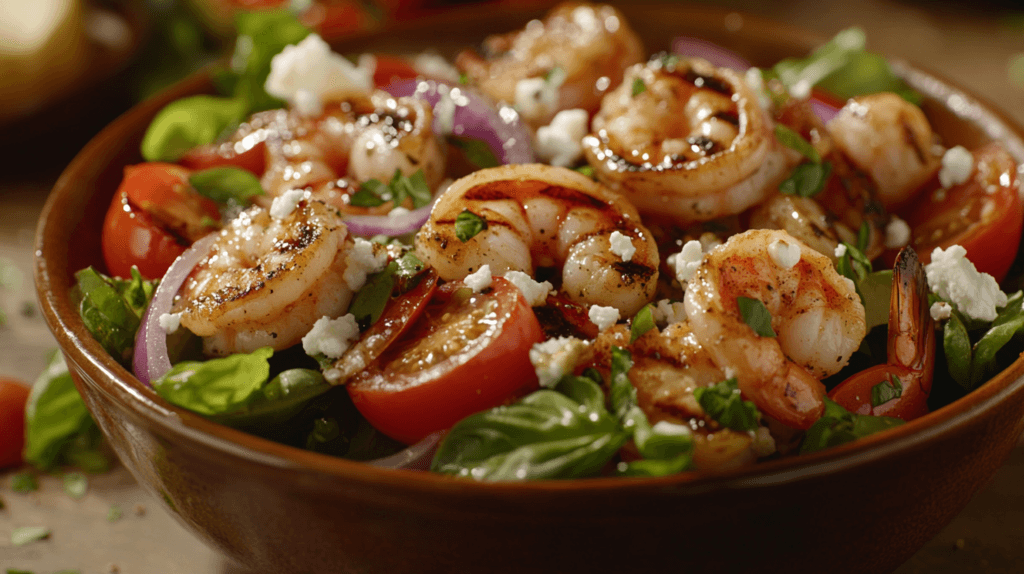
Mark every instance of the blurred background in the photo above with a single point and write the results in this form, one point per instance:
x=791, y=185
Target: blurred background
x=69, y=67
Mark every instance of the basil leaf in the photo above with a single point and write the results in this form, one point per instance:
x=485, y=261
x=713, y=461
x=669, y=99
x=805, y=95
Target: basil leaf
x=622, y=391
x=25, y=534
x=584, y=390
x=806, y=180
x=261, y=35
x=855, y=266
x=369, y=302
x=112, y=309
x=639, y=86
x=216, y=386
x=886, y=391
x=724, y=403
x=756, y=315
x=863, y=236
x=545, y=435
x=226, y=184
x=1007, y=323
x=839, y=426
x=189, y=122
x=468, y=224
x=75, y=484
x=642, y=322
x=414, y=186
x=795, y=141
x=371, y=193
x=477, y=151
x=587, y=171
x=277, y=401
x=58, y=426
x=957, y=346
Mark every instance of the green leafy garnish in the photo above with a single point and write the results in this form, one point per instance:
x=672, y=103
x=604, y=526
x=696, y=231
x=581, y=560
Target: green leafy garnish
x=886, y=391
x=477, y=151
x=839, y=426
x=27, y=534
x=216, y=386
x=75, y=484
x=468, y=224
x=369, y=303
x=58, y=427
x=756, y=315
x=642, y=322
x=24, y=482
x=464, y=78
x=795, y=141
x=114, y=513
x=854, y=265
x=189, y=122
x=277, y=401
x=373, y=192
x=586, y=170
x=112, y=308
x=226, y=184
x=806, y=180
x=971, y=346
x=723, y=403
x=639, y=87
x=262, y=34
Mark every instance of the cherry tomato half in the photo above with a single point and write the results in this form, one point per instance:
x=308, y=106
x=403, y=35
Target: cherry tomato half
x=13, y=396
x=467, y=353
x=984, y=215
x=154, y=216
x=225, y=155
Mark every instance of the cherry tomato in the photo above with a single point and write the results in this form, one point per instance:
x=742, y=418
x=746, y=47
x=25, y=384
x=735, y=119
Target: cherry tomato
x=984, y=215
x=13, y=396
x=224, y=155
x=391, y=69
x=467, y=353
x=154, y=216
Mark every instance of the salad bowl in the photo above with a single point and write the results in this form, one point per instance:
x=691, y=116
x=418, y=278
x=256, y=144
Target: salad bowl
x=865, y=506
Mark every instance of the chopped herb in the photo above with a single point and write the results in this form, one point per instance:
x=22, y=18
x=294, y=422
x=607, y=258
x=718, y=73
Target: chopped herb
x=723, y=403
x=114, y=513
x=854, y=265
x=26, y=534
x=75, y=484
x=24, y=482
x=806, y=180
x=642, y=322
x=886, y=391
x=226, y=184
x=586, y=170
x=863, y=236
x=838, y=426
x=373, y=192
x=639, y=87
x=464, y=78
x=15, y=571
x=468, y=224
x=756, y=315
x=795, y=141
x=971, y=346
x=669, y=61
x=554, y=73
x=477, y=151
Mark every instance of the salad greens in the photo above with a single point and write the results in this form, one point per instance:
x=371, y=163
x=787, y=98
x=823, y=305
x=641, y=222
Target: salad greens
x=839, y=426
x=373, y=192
x=972, y=346
x=112, y=308
x=724, y=403
x=226, y=184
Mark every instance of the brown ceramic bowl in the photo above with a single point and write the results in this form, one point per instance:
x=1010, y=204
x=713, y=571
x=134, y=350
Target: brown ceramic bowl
x=862, y=507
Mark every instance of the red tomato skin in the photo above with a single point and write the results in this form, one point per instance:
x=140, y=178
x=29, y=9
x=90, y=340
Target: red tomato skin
x=13, y=396
x=408, y=409
x=392, y=69
x=218, y=155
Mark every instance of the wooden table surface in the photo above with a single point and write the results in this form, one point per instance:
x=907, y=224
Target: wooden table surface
x=973, y=44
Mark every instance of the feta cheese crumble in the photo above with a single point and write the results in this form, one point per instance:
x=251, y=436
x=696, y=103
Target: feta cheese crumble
x=435, y=66
x=603, y=317
x=954, y=278
x=170, y=322
x=555, y=358
x=687, y=260
x=940, y=310
x=560, y=142
x=957, y=166
x=840, y=250
x=622, y=245
x=306, y=73
x=897, y=233
x=784, y=254
x=364, y=258
x=535, y=293
x=536, y=98
x=479, y=279
x=666, y=312
x=331, y=337
x=285, y=204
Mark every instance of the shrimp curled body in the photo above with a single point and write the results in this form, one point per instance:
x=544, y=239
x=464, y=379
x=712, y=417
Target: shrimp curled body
x=542, y=216
x=266, y=281
x=816, y=313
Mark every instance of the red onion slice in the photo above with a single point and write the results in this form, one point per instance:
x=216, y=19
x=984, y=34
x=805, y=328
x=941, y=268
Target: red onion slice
x=473, y=117
x=390, y=225
x=151, y=360
x=717, y=55
x=824, y=110
x=414, y=457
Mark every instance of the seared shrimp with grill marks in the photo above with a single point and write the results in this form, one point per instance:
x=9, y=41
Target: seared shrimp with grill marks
x=266, y=280
x=571, y=58
x=542, y=216
x=890, y=140
x=686, y=140
x=815, y=312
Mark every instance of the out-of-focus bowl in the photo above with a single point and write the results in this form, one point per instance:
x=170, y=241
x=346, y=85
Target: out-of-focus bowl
x=862, y=507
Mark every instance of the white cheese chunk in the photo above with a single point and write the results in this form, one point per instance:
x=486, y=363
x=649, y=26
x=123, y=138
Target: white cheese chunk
x=284, y=204
x=535, y=293
x=957, y=166
x=479, y=279
x=897, y=233
x=435, y=66
x=170, y=322
x=940, y=310
x=954, y=278
x=555, y=358
x=666, y=312
x=687, y=260
x=560, y=142
x=603, y=317
x=622, y=245
x=331, y=337
x=306, y=73
x=840, y=250
x=364, y=258
x=538, y=98
x=784, y=254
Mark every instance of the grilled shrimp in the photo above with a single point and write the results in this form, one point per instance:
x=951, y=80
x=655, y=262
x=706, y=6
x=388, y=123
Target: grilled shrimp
x=816, y=313
x=576, y=54
x=890, y=140
x=683, y=139
x=266, y=280
x=801, y=217
x=543, y=216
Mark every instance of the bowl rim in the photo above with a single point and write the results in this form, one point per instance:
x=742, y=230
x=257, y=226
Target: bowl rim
x=119, y=385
